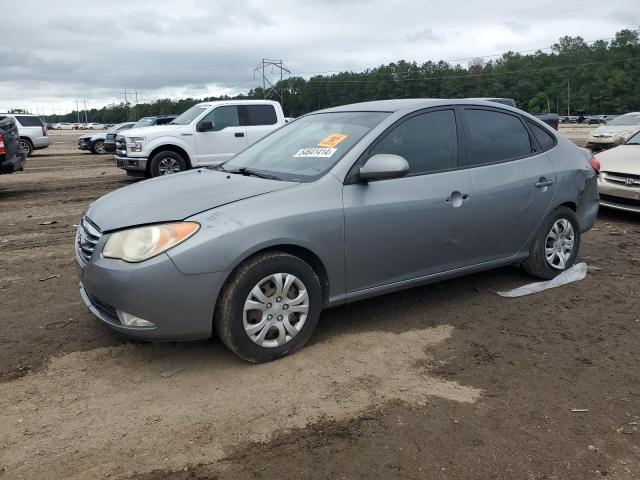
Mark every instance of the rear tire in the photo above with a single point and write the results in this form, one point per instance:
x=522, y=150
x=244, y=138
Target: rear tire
x=25, y=145
x=97, y=147
x=556, y=244
x=167, y=163
x=288, y=322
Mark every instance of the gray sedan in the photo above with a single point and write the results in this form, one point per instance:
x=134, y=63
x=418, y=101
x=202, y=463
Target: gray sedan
x=340, y=205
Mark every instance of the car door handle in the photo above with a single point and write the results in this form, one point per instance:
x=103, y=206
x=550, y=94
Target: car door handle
x=239, y=134
x=457, y=198
x=543, y=182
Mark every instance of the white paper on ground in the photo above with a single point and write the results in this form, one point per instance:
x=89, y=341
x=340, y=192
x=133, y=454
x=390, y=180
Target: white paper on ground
x=573, y=274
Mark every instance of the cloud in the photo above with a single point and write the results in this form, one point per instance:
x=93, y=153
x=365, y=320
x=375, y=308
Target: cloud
x=54, y=52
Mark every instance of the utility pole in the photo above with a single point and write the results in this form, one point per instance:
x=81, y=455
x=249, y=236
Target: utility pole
x=568, y=98
x=77, y=111
x=269, y=88
x=86, y=120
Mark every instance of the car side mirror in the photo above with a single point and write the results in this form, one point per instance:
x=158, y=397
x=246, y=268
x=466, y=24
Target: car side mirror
x=205, y=126
x=384, y=166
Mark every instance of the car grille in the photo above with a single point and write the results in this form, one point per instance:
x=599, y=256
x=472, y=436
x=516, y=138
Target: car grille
x=626, y=179
x=104, y=307
x=87, y=237
x=121, y=146
x=628, y=202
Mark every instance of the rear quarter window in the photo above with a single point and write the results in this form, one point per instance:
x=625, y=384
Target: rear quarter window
x=27, y=121
x=544, y=138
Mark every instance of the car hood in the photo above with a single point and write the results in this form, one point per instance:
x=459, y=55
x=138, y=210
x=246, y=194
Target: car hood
x=175, y=197
x=622, y=159
x=152, y=130
x=611, y=129
x=95, y=136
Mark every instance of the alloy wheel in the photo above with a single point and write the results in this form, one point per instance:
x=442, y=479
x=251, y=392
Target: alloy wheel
x=276, y=310
x=558, y=246
x=168, y=166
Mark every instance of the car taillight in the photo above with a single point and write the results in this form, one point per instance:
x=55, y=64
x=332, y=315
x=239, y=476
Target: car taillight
x=2, y=149
x=595, y=164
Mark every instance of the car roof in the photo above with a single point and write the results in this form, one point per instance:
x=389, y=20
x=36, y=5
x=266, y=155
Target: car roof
x=220, y=102
x=411, y=104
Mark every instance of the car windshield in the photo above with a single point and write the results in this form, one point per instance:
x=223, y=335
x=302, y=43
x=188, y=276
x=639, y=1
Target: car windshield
x=307, y=148
x=144, y=122
x=625, y=120
x=635, y=140
x=189, y=116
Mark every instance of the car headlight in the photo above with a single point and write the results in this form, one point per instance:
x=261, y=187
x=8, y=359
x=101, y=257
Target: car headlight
x=141, y=243
x=135, y=143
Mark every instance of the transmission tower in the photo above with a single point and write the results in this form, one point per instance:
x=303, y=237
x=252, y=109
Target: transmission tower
x=270, y=88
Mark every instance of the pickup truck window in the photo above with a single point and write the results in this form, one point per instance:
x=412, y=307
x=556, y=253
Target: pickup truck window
x=252, y=115
x=223, y=117
x=494, y=137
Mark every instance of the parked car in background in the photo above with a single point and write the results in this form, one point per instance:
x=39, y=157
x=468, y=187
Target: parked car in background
x=12, y=157
x=615, y=132
x=207, y=134
x=97, y=142
x=93, y=126
x=62, y=126
x=341, y=205
x=110, y=138
x=619, y=179
x=551, y=119
x=32, y=130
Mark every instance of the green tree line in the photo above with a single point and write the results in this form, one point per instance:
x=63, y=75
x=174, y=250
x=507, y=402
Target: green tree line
x=601, y=77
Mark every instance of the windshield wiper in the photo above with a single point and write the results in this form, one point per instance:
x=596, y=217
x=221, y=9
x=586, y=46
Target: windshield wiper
x=250, y=172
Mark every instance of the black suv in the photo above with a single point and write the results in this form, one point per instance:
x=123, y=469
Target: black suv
x=110, y=140
x=11, y=156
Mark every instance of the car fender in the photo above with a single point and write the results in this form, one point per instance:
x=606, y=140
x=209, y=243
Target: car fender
x=185, y=142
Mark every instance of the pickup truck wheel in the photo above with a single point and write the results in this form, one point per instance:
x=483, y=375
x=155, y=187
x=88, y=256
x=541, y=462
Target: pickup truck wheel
x=97, y=147
x=26, y=146
x=167, y=163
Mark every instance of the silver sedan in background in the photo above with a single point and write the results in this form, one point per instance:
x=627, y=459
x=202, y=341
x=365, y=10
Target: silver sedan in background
x=340, y=205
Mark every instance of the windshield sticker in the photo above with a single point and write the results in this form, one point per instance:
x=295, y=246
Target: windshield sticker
x=315, y=153
x=333, y=140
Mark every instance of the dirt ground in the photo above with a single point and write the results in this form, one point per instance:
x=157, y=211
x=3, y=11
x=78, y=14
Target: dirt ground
x=447, y=381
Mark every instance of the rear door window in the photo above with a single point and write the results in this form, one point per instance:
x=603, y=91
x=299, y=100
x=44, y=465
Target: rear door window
x=27, y=121
x=253, y=115
x=493, y=137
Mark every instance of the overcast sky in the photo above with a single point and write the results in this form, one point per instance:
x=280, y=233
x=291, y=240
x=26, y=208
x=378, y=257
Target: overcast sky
x=55, y=51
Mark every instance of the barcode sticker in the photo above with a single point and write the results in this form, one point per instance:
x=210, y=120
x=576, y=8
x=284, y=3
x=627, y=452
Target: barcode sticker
x=315, y=152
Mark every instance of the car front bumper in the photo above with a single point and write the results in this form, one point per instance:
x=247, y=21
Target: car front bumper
x=180, y=306
x=131, y=163
x=84, y=145
x=109, y=147
x=616, y=193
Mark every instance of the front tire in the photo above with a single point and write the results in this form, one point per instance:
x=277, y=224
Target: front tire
x=556, y=244
x=167, y=163
x=26, y=146
x=269, y=308
x=97, y=147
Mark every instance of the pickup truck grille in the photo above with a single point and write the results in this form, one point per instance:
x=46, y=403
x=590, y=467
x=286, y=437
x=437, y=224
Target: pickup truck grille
x=121, y=146
x=87, y=237
x=110, y=137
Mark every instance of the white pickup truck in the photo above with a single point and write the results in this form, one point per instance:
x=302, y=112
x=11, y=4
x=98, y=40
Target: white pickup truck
x=208, y=133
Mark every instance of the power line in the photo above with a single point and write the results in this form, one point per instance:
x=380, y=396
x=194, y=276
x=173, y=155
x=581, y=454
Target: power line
x=468, y=75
